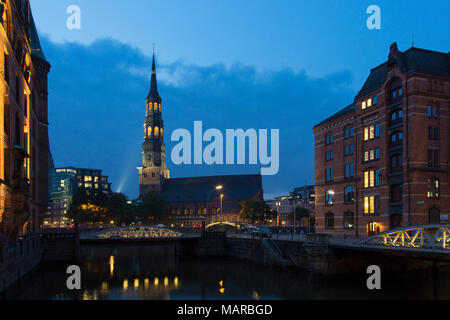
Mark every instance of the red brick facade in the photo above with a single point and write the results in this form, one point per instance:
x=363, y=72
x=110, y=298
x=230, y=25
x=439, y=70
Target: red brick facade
x=398, y=162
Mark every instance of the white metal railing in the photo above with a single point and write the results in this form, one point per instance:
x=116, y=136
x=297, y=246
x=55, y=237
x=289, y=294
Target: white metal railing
x=435, y=237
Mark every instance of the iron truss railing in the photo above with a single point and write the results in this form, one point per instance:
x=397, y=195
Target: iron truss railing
x=141, y=232
x=420, y=237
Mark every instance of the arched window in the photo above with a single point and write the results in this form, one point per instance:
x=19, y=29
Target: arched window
x=156, y=106
x=149, y=132
x=349, y=195
x=434, y=216
x=349, y=220
x=329, y=220
x=156, y=132
x=161, y=132
x=160, y=107
x=329, y=197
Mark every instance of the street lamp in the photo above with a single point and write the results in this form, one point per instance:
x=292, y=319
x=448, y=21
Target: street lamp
x=221, y=207
x=216, y=188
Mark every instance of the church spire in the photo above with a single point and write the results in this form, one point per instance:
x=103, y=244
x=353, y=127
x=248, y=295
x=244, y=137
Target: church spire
x=153, y=95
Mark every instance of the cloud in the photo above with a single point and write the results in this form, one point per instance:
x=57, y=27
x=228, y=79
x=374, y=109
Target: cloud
x=97, y=109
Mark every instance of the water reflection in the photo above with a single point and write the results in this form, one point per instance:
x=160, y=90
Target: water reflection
x=153, y=272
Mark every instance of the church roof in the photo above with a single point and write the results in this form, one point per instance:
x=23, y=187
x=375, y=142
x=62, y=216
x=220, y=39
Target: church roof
x=198, y=189
x=153, y=95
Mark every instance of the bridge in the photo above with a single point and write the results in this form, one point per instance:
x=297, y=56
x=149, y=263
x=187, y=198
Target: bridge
x=425, y=240
x=136, y=233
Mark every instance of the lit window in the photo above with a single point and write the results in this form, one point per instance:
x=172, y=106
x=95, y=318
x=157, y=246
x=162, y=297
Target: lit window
x=369, y=103
x=363, y=105
x=329, y=197
x=87, y=178
x=433, y=188
x=370, y=203
x=156, y=131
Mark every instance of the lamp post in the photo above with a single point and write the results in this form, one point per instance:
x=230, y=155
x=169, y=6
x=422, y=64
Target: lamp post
x=217, y=188
x=221, y=208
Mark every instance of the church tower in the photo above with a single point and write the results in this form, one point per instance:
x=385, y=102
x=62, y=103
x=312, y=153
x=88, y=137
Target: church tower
x=154, y=170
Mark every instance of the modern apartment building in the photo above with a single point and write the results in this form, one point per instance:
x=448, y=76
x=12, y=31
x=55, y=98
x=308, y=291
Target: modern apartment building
x=383, y=161
x=65, y=182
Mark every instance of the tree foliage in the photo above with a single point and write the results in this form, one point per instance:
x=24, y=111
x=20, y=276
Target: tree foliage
x=257, y=212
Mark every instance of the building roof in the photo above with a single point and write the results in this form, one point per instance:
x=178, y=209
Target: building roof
x=411, y=61
x=153, y=95
x=347, y=110
x=200, y=189
x=36, y=48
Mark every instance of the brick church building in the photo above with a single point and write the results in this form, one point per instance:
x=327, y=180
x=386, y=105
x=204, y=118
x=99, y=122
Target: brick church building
x=383, y=161
x=192, y=200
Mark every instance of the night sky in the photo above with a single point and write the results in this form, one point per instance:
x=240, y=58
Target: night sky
x=232, y=64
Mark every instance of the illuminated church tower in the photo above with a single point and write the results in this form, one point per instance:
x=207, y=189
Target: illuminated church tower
x=154, y=169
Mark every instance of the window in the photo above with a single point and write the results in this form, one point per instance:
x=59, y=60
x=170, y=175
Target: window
x=375, y=100
x=349, y=195
x=329, y=155
x=396, y=193
x=329, y=174
x=349, y=170
x=433, y=188
x=371, y=204
x=433, y=133
x=329, y=220
x=329, y=139
x=156, y=131
x=435, y=112
x=367, y=104
x=349, y=220
x=329, y=197
x=371, y=178
x=430, y=112
x=371, y=132
x=433, y=158
x=349, y=150
x=434, y=216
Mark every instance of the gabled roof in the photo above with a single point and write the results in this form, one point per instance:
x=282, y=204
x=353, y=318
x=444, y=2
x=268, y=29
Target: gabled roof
x=235, y=188
x=411, y=61
x=347, y=110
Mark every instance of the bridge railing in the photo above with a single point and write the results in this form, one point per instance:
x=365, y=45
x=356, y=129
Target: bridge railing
x=435, y=237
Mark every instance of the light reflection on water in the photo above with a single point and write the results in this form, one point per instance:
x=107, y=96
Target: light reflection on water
x=152, y=272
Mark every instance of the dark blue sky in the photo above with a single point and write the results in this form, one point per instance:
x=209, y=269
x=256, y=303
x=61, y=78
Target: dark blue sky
x=231, y=64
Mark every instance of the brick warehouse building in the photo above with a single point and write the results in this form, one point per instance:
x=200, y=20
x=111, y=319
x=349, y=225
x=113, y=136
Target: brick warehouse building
x=383, y=161
x=24, y=151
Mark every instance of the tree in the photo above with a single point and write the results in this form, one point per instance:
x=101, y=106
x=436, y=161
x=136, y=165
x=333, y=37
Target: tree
x=257, y=212
x=153, y=209
x=119, y=210
x=88, y=206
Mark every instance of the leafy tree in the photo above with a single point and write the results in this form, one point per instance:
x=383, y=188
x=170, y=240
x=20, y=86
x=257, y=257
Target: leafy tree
x=257, y=212
x=153, y=209
x=119, y=210
x=88, y=206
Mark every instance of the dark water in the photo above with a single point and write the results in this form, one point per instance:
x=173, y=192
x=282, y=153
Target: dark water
x=152, y=272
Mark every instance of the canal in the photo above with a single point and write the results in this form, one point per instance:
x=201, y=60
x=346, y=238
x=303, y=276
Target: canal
x=153, y=272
